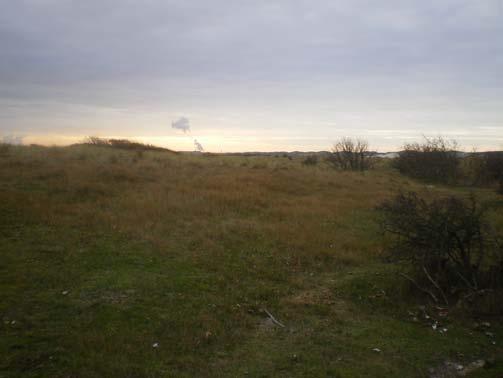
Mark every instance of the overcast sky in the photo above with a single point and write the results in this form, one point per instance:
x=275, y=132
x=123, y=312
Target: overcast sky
x=253, y=75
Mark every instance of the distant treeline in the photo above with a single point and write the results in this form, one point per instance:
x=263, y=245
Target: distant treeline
x=433, y=160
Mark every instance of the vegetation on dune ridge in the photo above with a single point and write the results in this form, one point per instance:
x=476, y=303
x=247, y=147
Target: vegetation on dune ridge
x=124, y=144
x=116, y=263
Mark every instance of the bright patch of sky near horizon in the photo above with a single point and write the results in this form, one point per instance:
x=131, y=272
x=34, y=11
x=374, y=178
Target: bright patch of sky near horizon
x=253, y=75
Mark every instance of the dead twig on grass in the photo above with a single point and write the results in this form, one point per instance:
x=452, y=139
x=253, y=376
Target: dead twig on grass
x=274, y=320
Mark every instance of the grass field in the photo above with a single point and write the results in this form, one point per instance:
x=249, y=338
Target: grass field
x=154, y=264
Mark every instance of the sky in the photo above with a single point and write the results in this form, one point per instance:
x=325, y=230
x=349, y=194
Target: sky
x=257, y=75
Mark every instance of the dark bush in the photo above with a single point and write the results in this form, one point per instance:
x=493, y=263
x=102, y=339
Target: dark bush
x=493, y=166
x=447, y=243
x=310, y=160
x=434, y=160
x=484, y=169
x=350, y=154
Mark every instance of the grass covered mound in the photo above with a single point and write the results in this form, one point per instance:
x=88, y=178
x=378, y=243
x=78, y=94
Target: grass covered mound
x=154, y=264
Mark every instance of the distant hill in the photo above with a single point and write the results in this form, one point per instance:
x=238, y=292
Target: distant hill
x=300, y=154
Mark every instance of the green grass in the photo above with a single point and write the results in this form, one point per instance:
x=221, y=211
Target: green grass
x=187, y=251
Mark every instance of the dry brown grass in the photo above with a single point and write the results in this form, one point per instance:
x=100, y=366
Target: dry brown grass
x=207, y=205
x=199, y=201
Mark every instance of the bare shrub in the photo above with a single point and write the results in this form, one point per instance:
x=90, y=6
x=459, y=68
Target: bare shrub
x=351, y=154
x=436, y=159
x=447, y=242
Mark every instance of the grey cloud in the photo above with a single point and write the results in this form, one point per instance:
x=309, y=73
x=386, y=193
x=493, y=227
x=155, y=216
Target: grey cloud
x=92, y=40
x=181, y=124
x=235, y=55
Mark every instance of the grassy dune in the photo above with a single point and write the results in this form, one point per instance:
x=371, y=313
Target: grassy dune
x=106, y=253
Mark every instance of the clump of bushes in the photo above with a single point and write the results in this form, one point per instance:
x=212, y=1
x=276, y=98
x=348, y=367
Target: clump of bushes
x=447, y=242
x=438, y=160
x=435, y=159
x=351, y=155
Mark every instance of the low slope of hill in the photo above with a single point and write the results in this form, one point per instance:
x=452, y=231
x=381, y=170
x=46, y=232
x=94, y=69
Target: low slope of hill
x=117, y=264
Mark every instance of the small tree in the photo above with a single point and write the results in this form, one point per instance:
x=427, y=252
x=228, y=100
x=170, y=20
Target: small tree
x=436, y=160
x=351, y=154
